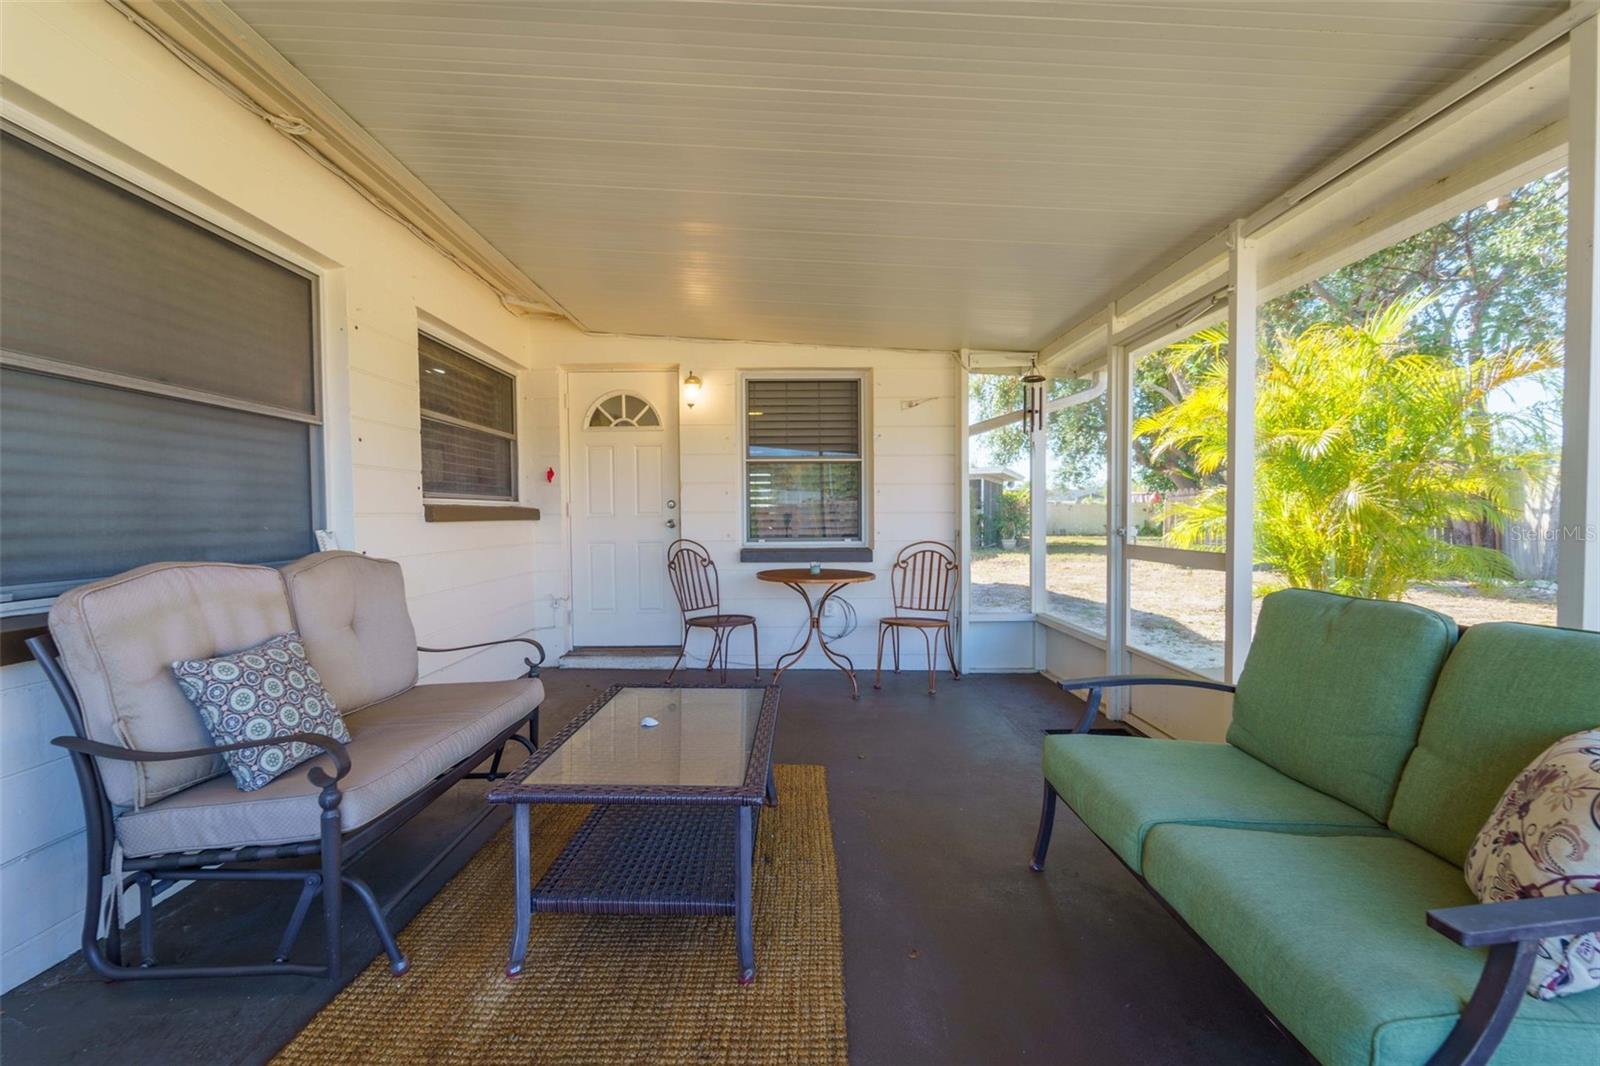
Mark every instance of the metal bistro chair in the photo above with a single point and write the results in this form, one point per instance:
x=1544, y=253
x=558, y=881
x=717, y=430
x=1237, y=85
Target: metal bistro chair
x=923, y=581
x=694, y=582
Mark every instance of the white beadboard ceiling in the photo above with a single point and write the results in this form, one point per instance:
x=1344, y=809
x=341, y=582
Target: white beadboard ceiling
x=891, y=174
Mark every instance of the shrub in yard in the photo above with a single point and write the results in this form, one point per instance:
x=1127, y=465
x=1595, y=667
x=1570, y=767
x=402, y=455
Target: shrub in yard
x=1014, y=514
x=1366, y=450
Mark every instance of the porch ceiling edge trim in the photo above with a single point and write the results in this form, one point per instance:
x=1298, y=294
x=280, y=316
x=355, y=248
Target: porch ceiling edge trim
x=220, y=46
x=1203, y=267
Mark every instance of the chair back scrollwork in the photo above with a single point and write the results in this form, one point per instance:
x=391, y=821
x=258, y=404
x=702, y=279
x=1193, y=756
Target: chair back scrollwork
x=693, y=576
x=923, y=578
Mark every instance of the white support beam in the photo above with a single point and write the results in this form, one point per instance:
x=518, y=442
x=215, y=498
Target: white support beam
x=1489, y=90
x=1039, y=503
x=1440, y=103
x=1119, y=422
x=964, y=509
x=1240, y=552
x=1084, y=338
x=1578, y=559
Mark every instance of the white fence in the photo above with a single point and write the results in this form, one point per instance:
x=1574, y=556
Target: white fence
x=1088, y=517
x=1530, y=543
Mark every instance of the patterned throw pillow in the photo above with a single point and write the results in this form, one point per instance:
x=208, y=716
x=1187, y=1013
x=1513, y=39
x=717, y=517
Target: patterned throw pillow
x=1544, y=840
x=266, y=691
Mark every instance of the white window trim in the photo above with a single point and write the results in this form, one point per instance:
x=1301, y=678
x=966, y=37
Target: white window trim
x=865, y=408
x=437, y=330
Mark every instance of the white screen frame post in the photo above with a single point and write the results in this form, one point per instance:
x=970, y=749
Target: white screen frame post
x=1119, y=462
x=1578, y=554
x=1239, y=553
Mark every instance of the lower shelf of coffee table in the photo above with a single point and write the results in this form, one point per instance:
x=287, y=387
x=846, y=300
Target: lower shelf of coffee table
x=645, y=859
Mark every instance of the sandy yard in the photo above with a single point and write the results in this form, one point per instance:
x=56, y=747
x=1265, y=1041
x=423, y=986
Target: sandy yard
x=1177, y=612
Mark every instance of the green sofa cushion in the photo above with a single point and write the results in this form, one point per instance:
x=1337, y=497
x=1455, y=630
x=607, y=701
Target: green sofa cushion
x=1507, y=692
x=1330, y=934
x=1123, y=786
x=1333, y=691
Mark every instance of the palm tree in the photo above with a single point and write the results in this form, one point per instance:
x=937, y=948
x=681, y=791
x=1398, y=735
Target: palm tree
x=1367, y=450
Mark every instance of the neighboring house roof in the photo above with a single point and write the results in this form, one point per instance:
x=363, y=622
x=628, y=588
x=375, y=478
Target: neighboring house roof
x=998, y=474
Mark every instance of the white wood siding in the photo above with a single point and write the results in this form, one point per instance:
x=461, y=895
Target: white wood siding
x=912, y=462
x=86, y=69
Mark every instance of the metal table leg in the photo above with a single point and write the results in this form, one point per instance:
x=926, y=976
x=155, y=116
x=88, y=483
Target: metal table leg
x=741, y=895
x=811, y=626
x=524, y=879
x=814, y=627
x=837, y=658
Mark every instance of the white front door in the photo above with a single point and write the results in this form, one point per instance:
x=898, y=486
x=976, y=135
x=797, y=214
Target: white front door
x=624, y=427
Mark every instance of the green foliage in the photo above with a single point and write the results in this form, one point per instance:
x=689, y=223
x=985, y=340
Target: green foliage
x=1182, y=373
x=1076, y=434
x=1012, y=519
x=1367, y=448
x=1496, y=276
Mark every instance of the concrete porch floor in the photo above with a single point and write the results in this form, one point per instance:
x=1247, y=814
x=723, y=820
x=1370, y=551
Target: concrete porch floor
x=954, y=951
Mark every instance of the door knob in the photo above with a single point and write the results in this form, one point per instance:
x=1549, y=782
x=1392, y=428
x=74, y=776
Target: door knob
x=672, y=523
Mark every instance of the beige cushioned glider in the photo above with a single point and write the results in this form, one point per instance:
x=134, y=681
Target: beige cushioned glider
x=351, y=613
x=118, y=639
x=396, y=747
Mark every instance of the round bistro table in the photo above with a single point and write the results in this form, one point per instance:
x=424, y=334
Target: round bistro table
x=800, y=578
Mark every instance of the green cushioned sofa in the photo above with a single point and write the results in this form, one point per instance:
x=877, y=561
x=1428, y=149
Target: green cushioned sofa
x=1319, y=850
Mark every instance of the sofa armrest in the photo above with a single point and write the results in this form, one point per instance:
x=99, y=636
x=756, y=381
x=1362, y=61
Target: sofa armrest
x=1098, y=685
x=533, y=667
x=1481, y=925
x=1511, y=931
x=339, y=753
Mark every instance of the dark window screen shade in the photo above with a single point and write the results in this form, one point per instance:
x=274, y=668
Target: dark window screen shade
x=98, y=480
x=460, y=387
x=804, y=418
x=98, y=277
x=460, y=462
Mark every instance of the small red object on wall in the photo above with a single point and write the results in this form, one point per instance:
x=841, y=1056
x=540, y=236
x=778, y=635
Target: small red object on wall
x=549, y=474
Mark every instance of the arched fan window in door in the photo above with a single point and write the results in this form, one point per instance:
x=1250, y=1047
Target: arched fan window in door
x=623, y=409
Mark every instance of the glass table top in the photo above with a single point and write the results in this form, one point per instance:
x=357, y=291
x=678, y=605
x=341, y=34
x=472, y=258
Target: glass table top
x=703, y=738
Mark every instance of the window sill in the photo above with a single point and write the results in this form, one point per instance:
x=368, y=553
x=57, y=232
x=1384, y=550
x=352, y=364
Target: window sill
x=16, y=629
x=478, y=512
x=806, y=555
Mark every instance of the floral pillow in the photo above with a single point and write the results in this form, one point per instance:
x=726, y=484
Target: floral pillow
x=260, y=693
x=1544, y=840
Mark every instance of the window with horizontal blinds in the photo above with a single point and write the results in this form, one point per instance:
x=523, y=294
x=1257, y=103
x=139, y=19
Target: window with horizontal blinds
x=158, y=395
x=804, y=418
x=469, y=420
x=804, y=476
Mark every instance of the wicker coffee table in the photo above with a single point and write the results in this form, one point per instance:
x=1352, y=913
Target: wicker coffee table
x=673, y=830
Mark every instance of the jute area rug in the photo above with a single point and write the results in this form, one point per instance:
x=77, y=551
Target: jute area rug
x=608, y=989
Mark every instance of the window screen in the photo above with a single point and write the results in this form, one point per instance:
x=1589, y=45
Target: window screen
x=97, y=480
x=803, y=468
x=468, y=425
x=96, y=276
x=157, y=396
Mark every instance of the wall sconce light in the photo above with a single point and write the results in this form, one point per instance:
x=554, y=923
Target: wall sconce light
x=691, y=389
